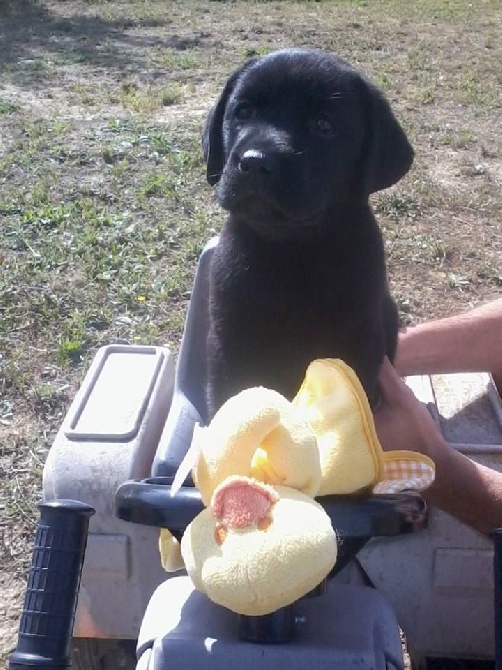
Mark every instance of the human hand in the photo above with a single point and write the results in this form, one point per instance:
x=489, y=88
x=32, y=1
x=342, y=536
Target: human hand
x=402, y=421
x=463, y=488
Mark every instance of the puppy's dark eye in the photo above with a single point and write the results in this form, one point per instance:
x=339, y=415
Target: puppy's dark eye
x=324, y=125
x=244, y=111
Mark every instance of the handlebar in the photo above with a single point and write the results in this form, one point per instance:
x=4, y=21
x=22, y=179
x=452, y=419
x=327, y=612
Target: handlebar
x=48, y=614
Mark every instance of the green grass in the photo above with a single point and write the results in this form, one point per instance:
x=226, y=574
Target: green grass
x=144, y=101
x=74, y=247
x=7, y=107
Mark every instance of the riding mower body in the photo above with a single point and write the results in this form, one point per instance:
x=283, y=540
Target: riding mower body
x=118, y=450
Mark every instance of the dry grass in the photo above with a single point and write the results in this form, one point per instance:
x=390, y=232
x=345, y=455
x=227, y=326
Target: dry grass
x=104, y=208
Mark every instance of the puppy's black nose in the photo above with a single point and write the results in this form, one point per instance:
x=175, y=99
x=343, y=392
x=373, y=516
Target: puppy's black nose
x=256, y=163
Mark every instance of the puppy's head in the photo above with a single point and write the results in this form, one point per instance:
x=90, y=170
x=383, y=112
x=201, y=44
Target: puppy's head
x=297, y=133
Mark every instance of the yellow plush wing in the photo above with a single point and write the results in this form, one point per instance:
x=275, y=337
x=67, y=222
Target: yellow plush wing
x=352, y=460
x=333, y=401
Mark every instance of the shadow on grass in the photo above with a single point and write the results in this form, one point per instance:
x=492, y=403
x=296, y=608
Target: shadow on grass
x=29, y=29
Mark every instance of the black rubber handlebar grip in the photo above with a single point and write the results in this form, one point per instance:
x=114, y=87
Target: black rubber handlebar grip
x=46, y=625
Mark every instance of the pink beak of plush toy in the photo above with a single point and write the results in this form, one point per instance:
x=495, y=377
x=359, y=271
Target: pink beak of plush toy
x=241, y=502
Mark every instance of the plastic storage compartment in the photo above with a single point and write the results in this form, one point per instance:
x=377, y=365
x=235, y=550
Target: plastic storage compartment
x=110, y=435
x=440, y=581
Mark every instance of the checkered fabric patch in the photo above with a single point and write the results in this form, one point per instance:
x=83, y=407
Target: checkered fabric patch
x=402, y=474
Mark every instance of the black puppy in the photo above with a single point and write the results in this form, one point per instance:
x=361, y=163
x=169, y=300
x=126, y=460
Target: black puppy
x=297, y=141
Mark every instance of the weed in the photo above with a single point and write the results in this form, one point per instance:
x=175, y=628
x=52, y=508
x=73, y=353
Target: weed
x=397, y=205
x=440, y=252
x=144, y=100
x=457, y=281
x=7, y=107
x=171, y=94
x=156, y=185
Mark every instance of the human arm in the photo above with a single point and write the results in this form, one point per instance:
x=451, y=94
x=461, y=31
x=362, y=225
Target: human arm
x=469, y=342
x=465, y=489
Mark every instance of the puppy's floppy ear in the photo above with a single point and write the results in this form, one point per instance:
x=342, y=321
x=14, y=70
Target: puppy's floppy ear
x=212, y=133
x=388, y=153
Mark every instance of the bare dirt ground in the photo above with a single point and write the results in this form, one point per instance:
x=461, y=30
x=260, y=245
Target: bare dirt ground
x=104, y=206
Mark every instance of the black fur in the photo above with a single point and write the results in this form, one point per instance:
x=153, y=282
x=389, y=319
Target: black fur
x=296, y=143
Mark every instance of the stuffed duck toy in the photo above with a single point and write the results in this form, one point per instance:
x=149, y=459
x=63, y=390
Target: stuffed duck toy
x=262, y=540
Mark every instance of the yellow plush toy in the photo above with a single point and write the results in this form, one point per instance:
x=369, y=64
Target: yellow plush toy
x=263, y=541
